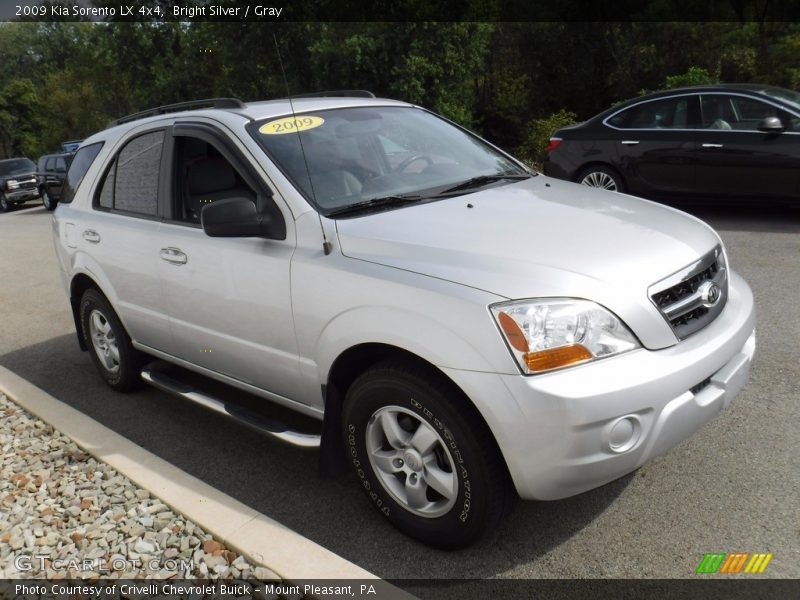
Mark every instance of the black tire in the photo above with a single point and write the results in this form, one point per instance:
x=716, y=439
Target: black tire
x=599, y=176
x=127, y=375
x=484, y=492
x=47, y=200
x=5, y=205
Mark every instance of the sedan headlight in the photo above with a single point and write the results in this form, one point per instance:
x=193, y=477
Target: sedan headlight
x=559, y=332
x=12, y=184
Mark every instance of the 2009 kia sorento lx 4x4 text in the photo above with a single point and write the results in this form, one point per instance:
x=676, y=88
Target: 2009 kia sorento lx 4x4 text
x=458, y=327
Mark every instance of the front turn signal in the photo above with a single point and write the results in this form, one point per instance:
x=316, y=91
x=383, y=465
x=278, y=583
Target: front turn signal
x=555, y=358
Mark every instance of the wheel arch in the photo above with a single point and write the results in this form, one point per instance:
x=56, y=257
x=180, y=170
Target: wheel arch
x=346, y=368
x=78, y=285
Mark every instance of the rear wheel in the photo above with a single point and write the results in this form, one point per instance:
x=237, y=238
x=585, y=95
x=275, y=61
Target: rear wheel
x=424, y=458
x=118, y=362
x=603, y=178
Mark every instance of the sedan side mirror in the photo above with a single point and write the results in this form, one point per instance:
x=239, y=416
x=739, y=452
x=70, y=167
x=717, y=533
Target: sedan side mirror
x=237, y=217
x=771, y=125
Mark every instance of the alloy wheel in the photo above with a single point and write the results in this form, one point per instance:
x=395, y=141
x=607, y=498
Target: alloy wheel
x=599, y=179
x=104, y=341
x=411, y=461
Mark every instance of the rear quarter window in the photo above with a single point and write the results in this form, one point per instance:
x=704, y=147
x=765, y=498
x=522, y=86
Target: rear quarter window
x=83, y=159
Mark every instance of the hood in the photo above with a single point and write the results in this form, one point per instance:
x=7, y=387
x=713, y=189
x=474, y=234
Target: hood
x=21, y=175
x=540, y=237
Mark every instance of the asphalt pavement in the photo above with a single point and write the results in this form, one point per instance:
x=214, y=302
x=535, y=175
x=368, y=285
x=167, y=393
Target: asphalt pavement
x=732, y=487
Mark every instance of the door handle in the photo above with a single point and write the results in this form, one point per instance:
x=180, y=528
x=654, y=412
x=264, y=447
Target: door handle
x=91, y=236
x=629, y=142
x=173, y=255
x=712, y=145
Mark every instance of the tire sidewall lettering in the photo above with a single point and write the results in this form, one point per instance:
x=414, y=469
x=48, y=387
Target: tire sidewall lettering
x=460, y=513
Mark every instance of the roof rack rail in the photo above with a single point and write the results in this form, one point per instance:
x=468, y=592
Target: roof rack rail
x=337, y=94
x=178, y=106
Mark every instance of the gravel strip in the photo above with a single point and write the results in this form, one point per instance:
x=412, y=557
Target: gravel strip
x=64, y=514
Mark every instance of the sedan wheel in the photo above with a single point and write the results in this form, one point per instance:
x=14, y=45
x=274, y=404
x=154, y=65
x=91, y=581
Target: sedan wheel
x=601, y=177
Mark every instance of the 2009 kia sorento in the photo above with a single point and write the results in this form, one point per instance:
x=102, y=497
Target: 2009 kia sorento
x=461, y=328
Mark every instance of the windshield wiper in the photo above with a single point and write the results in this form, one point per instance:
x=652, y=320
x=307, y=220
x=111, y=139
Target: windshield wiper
x=383, y=201
x=482, y=180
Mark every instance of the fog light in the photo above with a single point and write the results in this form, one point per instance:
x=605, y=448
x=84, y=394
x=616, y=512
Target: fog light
x=623, y=434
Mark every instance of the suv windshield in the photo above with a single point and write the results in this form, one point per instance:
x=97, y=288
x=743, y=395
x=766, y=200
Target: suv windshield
x=16, y=166
x=359, y=155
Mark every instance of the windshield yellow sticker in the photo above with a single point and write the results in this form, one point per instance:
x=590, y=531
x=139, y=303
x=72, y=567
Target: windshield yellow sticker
x=291, y=125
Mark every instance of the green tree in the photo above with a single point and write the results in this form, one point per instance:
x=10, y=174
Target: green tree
x=694, y=76
x=19, y=105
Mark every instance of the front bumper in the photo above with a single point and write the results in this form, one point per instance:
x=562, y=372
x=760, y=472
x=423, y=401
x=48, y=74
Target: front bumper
x=569, y=431
x=16, y=196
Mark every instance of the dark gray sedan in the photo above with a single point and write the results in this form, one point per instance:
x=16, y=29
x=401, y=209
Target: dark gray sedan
x=722, y=142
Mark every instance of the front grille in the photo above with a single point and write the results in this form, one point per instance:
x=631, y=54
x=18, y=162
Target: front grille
x=687, y=298
x=27, y=184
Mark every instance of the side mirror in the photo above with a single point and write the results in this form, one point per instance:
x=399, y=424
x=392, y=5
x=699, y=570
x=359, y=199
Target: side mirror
x=771, y=125
x=238, y=217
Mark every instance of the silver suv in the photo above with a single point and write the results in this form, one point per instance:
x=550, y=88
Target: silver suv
x=459, y=328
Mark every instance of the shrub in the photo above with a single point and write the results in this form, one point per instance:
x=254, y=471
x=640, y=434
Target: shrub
x=694, y=76
x=538, y=131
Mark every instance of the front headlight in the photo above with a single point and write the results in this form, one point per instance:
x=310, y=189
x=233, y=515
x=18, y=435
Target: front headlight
x=12, y=184
x=559, y=332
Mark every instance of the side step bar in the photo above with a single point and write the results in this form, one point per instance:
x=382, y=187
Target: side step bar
x=157, y=378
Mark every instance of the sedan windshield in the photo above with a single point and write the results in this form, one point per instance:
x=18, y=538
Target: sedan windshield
x=16, y=166
x=371, y=156
x=785, y=95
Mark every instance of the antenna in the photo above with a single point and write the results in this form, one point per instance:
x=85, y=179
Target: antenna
x=326, y=245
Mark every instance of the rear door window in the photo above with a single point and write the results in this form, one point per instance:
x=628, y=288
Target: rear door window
x=130, y=183
x=137, y=173
x=669, y=113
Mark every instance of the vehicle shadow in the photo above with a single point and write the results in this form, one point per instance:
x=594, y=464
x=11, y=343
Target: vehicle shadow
x=282, y=482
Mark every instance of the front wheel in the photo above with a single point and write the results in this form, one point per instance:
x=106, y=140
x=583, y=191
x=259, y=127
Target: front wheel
x=5, y=206
x=603, y=178
x=109, y=344
x=424, y=458
x=47, y=200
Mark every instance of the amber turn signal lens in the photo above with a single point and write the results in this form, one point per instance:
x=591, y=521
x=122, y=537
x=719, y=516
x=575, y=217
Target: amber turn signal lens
x=554, y=358
x=513, y=333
